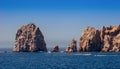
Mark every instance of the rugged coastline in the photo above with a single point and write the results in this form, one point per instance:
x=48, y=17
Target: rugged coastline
x=29, y=38
x=107, y=39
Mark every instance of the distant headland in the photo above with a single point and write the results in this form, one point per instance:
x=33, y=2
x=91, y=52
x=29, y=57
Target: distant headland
x=29, y=38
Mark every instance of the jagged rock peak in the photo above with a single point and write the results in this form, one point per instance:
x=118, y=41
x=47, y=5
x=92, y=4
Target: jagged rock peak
x=110, y=38
x=90, y=40
x=72, y=47
x=107, y=39
x=29, y=38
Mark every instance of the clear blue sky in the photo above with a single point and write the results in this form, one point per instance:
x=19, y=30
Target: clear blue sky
x=58, y=19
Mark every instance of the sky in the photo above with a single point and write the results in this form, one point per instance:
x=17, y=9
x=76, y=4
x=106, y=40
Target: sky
x=59, y=20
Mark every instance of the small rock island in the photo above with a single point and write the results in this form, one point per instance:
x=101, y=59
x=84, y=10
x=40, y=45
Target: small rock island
x=72, y=47
x=56, y=49
x=29, y=38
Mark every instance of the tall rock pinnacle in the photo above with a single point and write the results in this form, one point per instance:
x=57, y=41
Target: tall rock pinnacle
x=29, y=38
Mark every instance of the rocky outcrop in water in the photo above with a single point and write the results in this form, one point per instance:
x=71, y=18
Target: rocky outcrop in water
x=29, y=38
x=90, y=40
x=56, y=49
x=107, y=39
x=110, y=38
x=72, y=47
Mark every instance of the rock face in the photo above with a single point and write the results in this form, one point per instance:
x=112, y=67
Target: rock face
x=55, y=49
x=90, y=40
x=72, y=47
x=110, y=38
x=107, y=39
x=29, y=38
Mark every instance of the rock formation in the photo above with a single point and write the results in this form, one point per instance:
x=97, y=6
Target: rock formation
x=107, y=39
x=110, y=38
x=90, y=40
x=29, y=38
x=55, y=49
x=72, y=47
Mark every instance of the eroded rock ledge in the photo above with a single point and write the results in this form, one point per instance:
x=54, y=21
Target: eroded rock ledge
x=29, y=38
x=107, y=39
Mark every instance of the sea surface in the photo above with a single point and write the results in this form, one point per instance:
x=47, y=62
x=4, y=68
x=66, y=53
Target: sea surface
x=61, y=60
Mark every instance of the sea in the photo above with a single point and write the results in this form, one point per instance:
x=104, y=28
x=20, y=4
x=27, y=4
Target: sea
x=59, y=60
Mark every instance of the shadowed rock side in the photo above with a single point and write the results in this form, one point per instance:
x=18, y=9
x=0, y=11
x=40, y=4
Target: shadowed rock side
x=29, y=39
x=90, y=40
x=56, y=49
x=110, y=38
x=72, y=47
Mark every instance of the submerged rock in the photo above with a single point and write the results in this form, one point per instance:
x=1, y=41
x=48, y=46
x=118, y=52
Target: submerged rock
x=56, y=49
x=110, y=38
x=72, y=47
x=90, y=40
x=29, y=38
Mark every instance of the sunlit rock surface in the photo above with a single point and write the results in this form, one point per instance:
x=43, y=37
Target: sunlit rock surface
x=29, y=38
x=90, y=40
x=72, y=47
x=110, y=38
x=107, y=39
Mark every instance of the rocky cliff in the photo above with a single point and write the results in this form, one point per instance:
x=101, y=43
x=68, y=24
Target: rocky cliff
x=110, y=38
x=29, y=38
x=72, y=47
x=90, y=40
x=107, y=39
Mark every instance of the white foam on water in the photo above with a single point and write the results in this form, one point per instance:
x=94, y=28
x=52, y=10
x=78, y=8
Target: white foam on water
x=88, y=54
x=105, y=55
x=49, y=51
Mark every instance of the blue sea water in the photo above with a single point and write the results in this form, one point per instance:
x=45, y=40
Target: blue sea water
x=42, y=60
